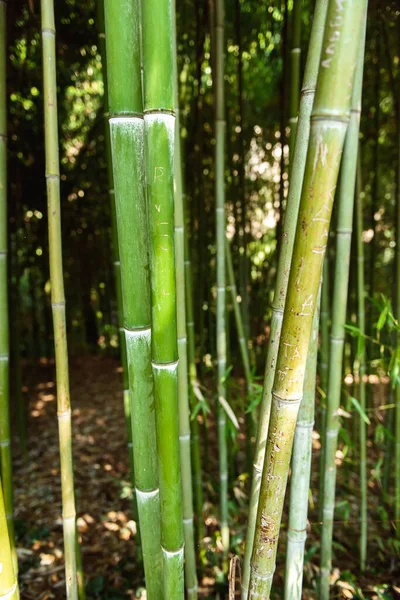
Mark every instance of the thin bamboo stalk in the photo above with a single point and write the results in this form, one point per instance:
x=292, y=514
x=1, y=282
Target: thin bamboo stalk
x=5, y=445
x=397, y=409
x=281, y=286
x=127, y=141
x=339, y=304
x=329, y=122
x=117, y=266
x=295, y=65
x=58, y=297
x=8, y=580
x=220, y=138
x=183, y=389
x=244, y=351
x=194, y=391
x=158, y=78
x=361, y=365
x=323, y=371
x=301, y=471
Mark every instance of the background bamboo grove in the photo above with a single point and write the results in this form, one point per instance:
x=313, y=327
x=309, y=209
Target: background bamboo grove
x=199, y=299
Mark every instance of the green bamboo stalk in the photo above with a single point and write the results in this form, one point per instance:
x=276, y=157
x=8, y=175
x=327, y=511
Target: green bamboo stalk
x=57, y=296
x=281, y=286
x=117, y=266
x=194, y=391
x=158, y=78
x=127, y=146
x=183, y=388
x=329, y=121
x=8, y=580
x=301, y=471
x=5, y=445
x=361, y=365
x=295, y=65
x=220, y=138
x=339, y=304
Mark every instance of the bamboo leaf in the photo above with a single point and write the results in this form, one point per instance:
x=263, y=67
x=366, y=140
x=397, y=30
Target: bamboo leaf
x=359, y=409
x=227, y=408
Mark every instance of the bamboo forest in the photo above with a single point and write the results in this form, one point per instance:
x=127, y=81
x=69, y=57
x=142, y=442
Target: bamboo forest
x=199, y=299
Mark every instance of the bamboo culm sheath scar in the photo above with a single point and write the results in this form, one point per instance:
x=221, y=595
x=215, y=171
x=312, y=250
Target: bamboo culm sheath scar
x=159, y=102
x=127, y=146
x=329, y=120
x=58, y=298
x=285, y=257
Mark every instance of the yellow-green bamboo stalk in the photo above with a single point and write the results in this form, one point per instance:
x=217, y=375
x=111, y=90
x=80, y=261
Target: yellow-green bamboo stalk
x=285, y=257
x=329, y=122
x=57, y=295
x=301, y=470
x=8, y=581
x=5, y=446
x=339, y=304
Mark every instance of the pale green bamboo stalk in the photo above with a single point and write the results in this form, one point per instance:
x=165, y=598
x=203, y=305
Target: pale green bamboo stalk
x=361, y=366
x=57, y=296
x=127, y=145
x=220, y=138
x=301, y=471
x=5, y=445
x=183, y=388
x=339, y=304
x=194, y=391
x=323, y=371
x=329, y=122
x=289, y=228
x=295, y=65
x=8, y=581
x=158, y=79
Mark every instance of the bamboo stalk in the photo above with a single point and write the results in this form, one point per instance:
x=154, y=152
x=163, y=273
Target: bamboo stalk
x=244, y=351
x=5, y=445
x=329, y=122
x=361, y=366
x=397, y=391
x=8, y=581
x=57, y=296
x=339, y=304
x=323, y=371
x=301, y=471
x=295, y=65
x=117, y=266
x=281, y=286
x=183, y=389
x=220, y=138
x=158, y=78
x=127, y=142
x=194, y=391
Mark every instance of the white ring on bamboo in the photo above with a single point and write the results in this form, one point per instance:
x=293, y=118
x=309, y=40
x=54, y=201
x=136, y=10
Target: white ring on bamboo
x=10, y=592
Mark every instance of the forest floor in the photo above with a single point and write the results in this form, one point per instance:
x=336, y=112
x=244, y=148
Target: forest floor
x=103, y=496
